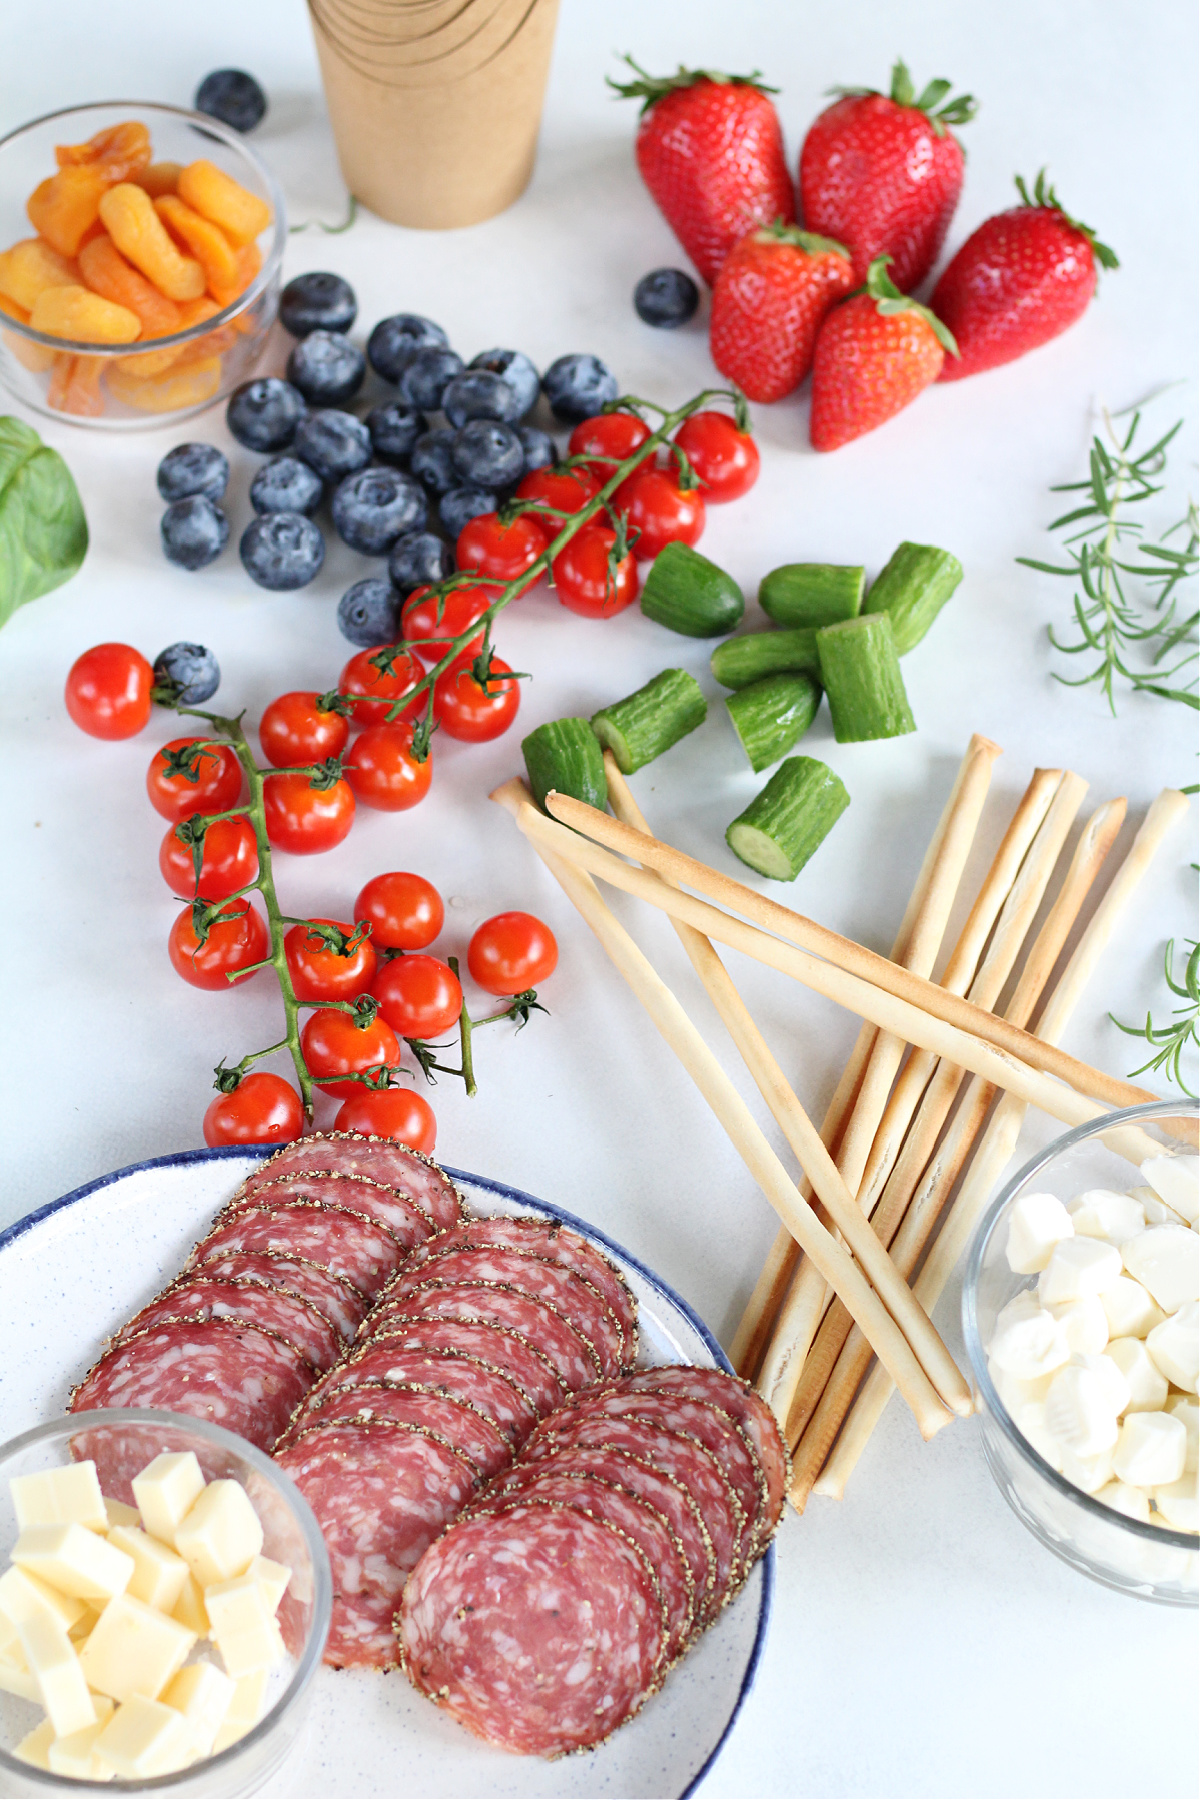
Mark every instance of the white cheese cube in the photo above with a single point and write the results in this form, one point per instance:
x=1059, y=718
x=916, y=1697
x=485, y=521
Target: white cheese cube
x=1129, y=1309
x=1080, y=1413
x=1085, y=1323
x=166, y=1490
x=144, y=1738
x=1146, y=1387
x=52, y=1661
x=34, y=1747
x=1151, y=1450
x=64, y=1496
x=243, y=1625
x=16, y=1679
x=1180, y=1406
x=1088, y=1473
x=158, y=1574
x=10, y=1643
x=245, y=1709
x=274, y=1577
x=23, y=1593
x=1015, y=1393
x=1030, y=1421
x=73, y=1560
x=1166, y=1259
x=1028, y=1341
x=1078, y=1267
x=1157, y=1211
x=1175, y=1347
x=221, y=1534
x=203, y=1694
x=1101, y=1213
x=189, y=1608
x=134, y=1650
x=84, y=1622
x=1176, y=1180
x=117, y=1513
x=1177, y=1502
x=74, y=1755
x=1036, y=1222
x=1130, y=1501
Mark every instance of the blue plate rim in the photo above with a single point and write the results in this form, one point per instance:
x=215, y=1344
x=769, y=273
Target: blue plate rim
x=226, y=1152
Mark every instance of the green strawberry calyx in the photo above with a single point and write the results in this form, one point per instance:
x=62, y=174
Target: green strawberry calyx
x=958, y=111
x=889, y=301
x=1045, y=197
x=779, y=232
x=650, y=88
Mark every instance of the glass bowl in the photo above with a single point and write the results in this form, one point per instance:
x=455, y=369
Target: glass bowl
x=1146, y=1560
x=159, y=380
x=122, y=1441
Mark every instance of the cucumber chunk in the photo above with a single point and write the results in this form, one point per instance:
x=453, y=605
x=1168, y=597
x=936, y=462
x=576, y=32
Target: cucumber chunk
x=741, y=660
x=771, y=715
x=687, y=593
x=643, y=725
x=912, y=589
x=794, y=814
x=861, y=674
x=565, y=755
x=812, y=593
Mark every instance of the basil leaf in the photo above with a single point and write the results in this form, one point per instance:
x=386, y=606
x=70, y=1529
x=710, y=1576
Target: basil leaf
x=43, y=531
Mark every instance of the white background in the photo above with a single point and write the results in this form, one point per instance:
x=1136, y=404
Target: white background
x=923, y=1643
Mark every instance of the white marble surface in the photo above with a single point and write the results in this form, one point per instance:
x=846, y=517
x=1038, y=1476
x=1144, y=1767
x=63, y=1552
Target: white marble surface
x=923, y=1643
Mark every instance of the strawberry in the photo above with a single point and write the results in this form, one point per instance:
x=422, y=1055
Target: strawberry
x=882, y=173
x=1018, y=281
x=711, y=152
x=875, y=353
x=772, y=292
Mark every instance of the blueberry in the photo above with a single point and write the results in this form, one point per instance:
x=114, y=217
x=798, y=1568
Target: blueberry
x=282, y=550
x=264, y=414
x=333, y=443
x=578, y=386
x=233, y=97
x=372, y=508
x=478, y=394
x=538, y=447
x=188, y=671
x=432, y=459
x=666, y=297
x=462, y=504
x=194, y=532
x=488, y=455
x=514, y=367
x=286, y=485
x=395, y=341
x=394, y=429
x=369, y=613
x=427, y=376
x=327, y=368
x=193, y=469
x=419, y=559
x=317, y=301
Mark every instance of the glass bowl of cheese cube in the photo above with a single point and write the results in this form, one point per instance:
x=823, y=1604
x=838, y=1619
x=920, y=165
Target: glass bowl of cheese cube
x=164, y=1603
x=141, y=249
x=1081, y=1315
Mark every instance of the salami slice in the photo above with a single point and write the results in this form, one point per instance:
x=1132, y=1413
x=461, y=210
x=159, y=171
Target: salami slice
x=464, y=1377
x=339, y=1301
x=471, y=1433
x=289, y=1316
x=539, y=1629
x=498, y=1303
x=355, y=1247
x=746, y=1406
x=505, y=1353
x=409, y=1223
x=381, y=1159
x=381, y=1492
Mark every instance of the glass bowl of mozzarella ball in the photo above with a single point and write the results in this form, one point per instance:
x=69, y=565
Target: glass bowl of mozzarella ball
x=1082, y=1324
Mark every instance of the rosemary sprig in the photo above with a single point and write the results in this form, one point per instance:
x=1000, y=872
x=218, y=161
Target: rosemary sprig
x=1169, y=1041
x=1112, y=618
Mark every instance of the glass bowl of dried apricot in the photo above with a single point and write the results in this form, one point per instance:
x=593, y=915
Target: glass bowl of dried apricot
x=140, y=256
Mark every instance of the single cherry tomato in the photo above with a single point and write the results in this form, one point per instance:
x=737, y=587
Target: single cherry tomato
x=560, y=491
x=511, y=952
x=725, y=459
x=381, y=676
x=237, y=942
x=229, y=861
x=419, y=996
x=319, y=973
x=470, y=712
x=108, y=691
x=306, y=819
x=659, y=511
x=297, y=729
x=262, y=1109
x=383, y=771
x=584, y=580
x=390, y=1112
x=610, y=437
x=404, y=911
x=338, y=1043
x=217, y=783
x=501, y=552
x=437, y=619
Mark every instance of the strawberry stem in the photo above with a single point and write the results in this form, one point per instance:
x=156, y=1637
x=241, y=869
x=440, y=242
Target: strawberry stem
x=959, y=111
x=1045, y=196
x=888, y=299
x=779, y=232
x=650, y=88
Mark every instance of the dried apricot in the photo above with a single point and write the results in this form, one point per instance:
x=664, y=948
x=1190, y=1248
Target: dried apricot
x=139, y=234
x=208, y=190
x=120, y=150
x=35, y=357
x=75, y=386
x=158, y=178
x=207, y=243
x=189, y=386
x=62, y=207
x=30, y=266
x=87, y=318
x=106, y=272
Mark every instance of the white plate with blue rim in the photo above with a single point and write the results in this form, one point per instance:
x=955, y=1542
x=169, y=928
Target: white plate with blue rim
x=76, y=1270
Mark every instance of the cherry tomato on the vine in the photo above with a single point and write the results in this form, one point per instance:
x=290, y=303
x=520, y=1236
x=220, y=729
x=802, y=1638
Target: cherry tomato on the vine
x=419, y=996
x=610, y=438
x=725, y=459
x=296, y=730
x=659, y=511
x=583, y=579
x=562, y=490
x=404, y=911
x=235, y=943
x=470, y=712
x=306, y=819
x=499, y=552
x=383, y=771
x=440, y=618
x=390, y=1112
x=229, y=861
x=319, y=973
x=382, y=674
x=217, y=785
x=262, y=1109
x=511, y=952
x=337, y=1043
x=108, y=691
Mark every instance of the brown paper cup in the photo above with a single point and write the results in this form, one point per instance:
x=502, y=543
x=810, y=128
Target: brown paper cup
x=435, y=104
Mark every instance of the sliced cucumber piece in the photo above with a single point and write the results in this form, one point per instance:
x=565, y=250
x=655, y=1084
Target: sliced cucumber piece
x=771, y=715
x=745, y=659
x=643, y=725
x=794, y=814
x=861, y=674
x=812, y=593
x=912, y=589
x=687, y=593
x=565, y=755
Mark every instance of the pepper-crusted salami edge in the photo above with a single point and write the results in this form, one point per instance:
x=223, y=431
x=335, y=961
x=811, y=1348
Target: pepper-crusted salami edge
x=463, y=1426
x=288, y=1315
x=382, y=1159
x=747, y=1407
x=352, y=1245
x=508, y=1405
x=534, y=1372
x=409, y=1222
x=574, y=1355
x=340, y=1299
